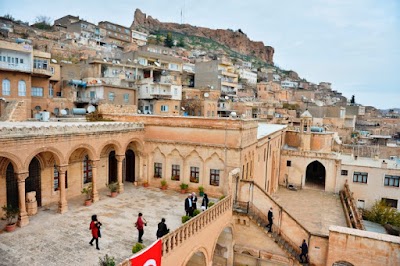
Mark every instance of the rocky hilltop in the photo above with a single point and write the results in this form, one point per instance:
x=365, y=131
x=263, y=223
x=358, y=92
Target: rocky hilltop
x=236, y=40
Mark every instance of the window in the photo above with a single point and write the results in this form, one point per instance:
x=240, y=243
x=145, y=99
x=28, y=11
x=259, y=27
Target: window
x=92, y=95
x=56, y=178
x=52, y=70
x=175, y=91
x=194, y=174
x=176, y=172
x=51, y=90
x=344, y=172
x=214, y=177
x=6, y=87
x=40, y=63
x=87, y=170
x=390, y=202
x=288, y=163
x=111, y=96
x=392, y=181
x=173, y=66
x=36, y=91
x=359, y=177
x=164, y=108
x=21, y=61
x=176, y=107
x=158, y=170
x=126, y=97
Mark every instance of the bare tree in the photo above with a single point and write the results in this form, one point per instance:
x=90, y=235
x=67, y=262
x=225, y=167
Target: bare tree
x=42, y=22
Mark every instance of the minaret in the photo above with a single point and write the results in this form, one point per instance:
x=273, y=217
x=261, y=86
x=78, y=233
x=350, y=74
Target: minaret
x=305, y=130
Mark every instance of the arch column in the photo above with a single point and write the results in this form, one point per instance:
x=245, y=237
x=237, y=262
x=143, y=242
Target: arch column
x=62, y=204
x=95, y=194
x=120, y=159
x=23, y=218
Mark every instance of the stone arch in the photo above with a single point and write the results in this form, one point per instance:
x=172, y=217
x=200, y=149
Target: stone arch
x=174, y=166
x=158, y=158
x=193, y=162
x=315, y=175
x=342, y=263
x=135, y=144
x=108, y=158
x=6, y=158
x=214, y=162
x=106, y=146
x=198, y=256
x=222, y=250
x=131, y=165
x=57, y=157
x=87, y=149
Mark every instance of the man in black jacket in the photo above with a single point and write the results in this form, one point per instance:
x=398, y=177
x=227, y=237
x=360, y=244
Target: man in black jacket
x=304, y=251
x=189, y=206
x=162, y=229
x=270, y=219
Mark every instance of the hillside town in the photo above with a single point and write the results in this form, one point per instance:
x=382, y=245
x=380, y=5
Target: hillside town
x=85, y=105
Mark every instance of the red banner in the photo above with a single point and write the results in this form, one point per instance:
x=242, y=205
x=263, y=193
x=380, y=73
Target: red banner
x=151, y=256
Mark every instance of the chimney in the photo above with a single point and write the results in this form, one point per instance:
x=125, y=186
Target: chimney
x=355, y=157
x=384, y=164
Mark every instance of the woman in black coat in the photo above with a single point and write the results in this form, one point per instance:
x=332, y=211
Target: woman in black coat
x=162, y=229
x=204, y=203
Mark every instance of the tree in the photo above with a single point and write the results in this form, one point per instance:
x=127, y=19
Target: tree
x=159, y=39
x=169, y=42
x=383, y=214
x=8, y=16
x=352, y=100
x=181, y=42
x=42, y=22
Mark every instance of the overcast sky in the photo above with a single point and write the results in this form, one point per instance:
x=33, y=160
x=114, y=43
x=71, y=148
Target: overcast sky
x=355, y=44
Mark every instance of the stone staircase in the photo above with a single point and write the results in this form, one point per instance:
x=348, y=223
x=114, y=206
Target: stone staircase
x=252, y=212
x=14, y=111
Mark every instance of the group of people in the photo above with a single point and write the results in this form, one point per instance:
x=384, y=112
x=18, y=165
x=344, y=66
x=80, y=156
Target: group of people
x=190, y=206
x=191, y=203
x=303, y=247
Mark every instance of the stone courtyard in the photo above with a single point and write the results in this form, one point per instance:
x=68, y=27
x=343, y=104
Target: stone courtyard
x=55, y=239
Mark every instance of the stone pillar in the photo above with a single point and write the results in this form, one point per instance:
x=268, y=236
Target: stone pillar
x=120, y=159
x=95, y=194
x=62, y=204
x=23, y=218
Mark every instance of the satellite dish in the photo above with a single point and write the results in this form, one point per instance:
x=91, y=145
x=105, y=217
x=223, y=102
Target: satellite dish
x=157, y=64
x=233, y=114
x=63, y=112
x=183, y=108
x=91, y=109
x=212, y=87
x=54, y=61
x=105, y=60
x=139, y=112
x=206, y=95
x=226, y=97
x=129, y=60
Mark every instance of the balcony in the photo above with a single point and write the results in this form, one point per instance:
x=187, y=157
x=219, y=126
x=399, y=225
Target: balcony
x=15, y=67
x=87, y=100
x=42, y=72
x=228, y=74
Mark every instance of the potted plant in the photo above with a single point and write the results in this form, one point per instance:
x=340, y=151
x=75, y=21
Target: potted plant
x=175, y=177
x=113, y=189
x=185, y=218
x=107, y=261
x=201, y=191
x=137, y=247
x=164, y=184
x=145, y=184
x=88, y=192
x=184, y=187
x=11, y=215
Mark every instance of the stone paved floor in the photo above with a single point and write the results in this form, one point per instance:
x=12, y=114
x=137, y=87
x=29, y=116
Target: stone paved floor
x=315, y=209
x=55, y=239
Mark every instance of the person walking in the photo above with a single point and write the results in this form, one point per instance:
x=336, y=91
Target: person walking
x=189, y=206
x=204, y=203
x=304, y=251
x=270, y=220
x=140, y=223
x=162, y=229
x=194, y=201
x=95, y=228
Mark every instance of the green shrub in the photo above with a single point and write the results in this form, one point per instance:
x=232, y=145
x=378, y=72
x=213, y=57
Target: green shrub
x=184, y=186
x=107, y=261
x=222, y=197
x=210, y=204
x=163, y=182
x=383, y=214
x=196, y=212
x=137, y=247
x=185, y=218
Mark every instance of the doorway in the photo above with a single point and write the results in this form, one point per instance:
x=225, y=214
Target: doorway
x=315, y=175
x=12, y=187
x=33, y=182
x=129, y=166
x=112, y=168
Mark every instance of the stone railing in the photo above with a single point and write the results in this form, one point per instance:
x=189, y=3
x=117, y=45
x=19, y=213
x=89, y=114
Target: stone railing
x=188, y=230
x=46, y=128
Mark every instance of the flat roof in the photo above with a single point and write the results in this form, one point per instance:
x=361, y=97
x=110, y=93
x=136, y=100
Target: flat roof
x=265, y=129
x=367, y=162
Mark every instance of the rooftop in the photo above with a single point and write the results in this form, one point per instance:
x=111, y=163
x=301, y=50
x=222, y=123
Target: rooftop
x=267, y=129
x=369, y=162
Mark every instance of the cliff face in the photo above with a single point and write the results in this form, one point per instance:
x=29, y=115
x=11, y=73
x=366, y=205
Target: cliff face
x=233, y=39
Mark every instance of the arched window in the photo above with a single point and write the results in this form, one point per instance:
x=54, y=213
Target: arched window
x=6, y=87
x=87, y=170
x=21, y=88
